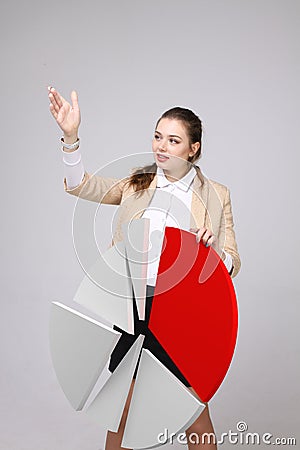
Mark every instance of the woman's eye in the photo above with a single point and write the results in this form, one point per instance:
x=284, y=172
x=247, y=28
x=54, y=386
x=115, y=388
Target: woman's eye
x=173, y=141
x=156, y=136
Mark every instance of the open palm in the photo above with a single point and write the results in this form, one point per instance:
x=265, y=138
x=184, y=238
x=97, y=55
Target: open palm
x=66, y=115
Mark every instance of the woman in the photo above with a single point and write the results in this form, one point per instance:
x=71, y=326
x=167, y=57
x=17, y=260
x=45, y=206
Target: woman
x=207, y=212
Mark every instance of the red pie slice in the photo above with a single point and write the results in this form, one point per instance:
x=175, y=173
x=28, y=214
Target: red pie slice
x=195, y=318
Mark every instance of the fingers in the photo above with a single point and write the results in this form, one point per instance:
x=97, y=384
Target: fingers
x=53, y=97
x=211, y=241
x=54, y=107
x=56, y=99
x=205, y=235
x=61, y=115
x=53, y=112
x=53, y=104
x=74, y=98
x=56, y=104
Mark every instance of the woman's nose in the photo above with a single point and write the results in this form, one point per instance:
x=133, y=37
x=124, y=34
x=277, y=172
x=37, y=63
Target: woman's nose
x=162, y=146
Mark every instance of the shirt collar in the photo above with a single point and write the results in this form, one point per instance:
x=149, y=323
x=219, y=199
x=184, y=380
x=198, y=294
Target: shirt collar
x=184, y=182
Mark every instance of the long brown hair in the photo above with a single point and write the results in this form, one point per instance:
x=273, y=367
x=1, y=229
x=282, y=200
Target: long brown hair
x=143, y=176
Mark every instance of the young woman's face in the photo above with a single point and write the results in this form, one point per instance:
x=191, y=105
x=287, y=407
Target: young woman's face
x=171, y=145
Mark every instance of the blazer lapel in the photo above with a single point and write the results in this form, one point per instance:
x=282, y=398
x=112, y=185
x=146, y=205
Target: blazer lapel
x=199, y=201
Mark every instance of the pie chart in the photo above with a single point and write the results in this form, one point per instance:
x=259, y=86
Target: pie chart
x=194, y=317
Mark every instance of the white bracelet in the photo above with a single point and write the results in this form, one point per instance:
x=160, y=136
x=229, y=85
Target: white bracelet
x=70, y=146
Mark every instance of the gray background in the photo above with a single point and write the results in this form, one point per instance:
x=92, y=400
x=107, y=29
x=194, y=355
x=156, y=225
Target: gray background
x=236, y=63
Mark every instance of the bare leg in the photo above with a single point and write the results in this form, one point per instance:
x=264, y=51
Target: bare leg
x=200, y=435
x=113, y=440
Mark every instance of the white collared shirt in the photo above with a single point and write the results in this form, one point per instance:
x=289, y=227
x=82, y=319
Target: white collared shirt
x=170, y=206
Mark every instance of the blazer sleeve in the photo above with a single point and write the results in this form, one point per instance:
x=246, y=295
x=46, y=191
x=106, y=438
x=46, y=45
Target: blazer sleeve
x=227, y=234
x=98, y=189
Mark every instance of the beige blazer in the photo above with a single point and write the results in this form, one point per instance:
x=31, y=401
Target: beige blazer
x=211, y=206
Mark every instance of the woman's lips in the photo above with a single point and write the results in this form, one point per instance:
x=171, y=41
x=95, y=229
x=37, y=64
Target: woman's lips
x=161, y=158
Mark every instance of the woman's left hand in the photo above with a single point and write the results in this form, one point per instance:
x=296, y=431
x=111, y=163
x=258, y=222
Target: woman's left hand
x=207, y=237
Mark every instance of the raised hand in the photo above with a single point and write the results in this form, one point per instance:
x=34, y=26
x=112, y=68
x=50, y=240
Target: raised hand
x=66, y=115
